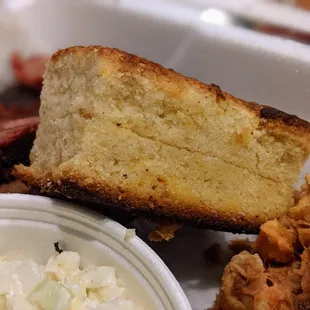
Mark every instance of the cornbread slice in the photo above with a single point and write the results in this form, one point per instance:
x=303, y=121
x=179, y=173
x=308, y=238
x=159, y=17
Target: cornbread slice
x=119, y=130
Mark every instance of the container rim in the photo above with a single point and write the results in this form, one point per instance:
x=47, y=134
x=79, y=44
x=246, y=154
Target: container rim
x=156, y=267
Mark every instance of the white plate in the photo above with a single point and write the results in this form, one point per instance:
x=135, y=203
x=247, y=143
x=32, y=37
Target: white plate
x=30, y=225
x=254, y=67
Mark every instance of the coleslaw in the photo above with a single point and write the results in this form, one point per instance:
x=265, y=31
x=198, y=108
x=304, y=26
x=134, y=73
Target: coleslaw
x=61, y=285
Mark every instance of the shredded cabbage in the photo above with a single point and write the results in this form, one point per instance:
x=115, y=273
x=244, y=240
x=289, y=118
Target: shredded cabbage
x=61, y=285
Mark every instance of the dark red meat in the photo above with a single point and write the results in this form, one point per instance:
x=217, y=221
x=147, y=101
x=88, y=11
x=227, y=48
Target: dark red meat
x=16, y=140
x=29, y=71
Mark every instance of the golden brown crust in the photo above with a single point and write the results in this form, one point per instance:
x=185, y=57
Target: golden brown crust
x=273, y=120
x=104, y=196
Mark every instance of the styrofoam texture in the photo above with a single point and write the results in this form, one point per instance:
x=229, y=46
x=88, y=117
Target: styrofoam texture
x=30, y=225
x=265, y=11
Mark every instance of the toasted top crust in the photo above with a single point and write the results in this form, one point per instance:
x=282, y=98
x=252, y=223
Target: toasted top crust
x=274, y=121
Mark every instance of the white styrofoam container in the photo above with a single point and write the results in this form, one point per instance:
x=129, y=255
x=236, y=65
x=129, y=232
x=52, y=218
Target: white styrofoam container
x=30, y=225
x=249, y=65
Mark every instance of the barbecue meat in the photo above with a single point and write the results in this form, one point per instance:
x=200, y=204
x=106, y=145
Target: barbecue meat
x=16, y=140
x=277, y=277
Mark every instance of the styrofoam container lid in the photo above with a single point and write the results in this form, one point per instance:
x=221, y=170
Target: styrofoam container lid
x=30, y=225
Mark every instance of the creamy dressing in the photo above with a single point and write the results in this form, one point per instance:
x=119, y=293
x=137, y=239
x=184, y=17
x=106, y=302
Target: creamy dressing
x=61, y=285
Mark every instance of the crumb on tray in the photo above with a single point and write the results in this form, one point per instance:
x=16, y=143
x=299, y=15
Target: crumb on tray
x=212, y=255
x=164, y=231
x=130, y=232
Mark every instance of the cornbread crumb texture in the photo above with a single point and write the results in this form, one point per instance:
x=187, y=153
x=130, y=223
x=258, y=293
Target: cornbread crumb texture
x=158, y=104
x=116, y=124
